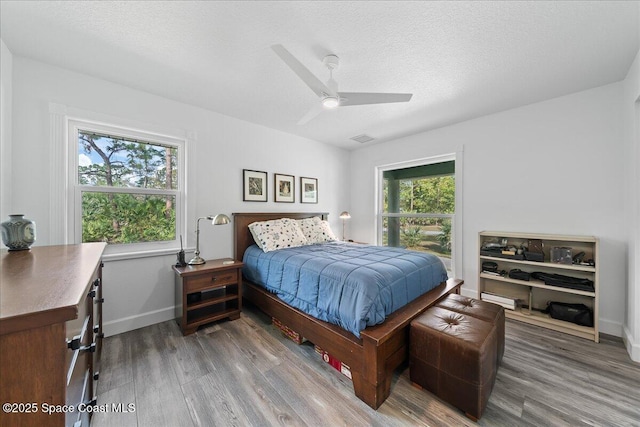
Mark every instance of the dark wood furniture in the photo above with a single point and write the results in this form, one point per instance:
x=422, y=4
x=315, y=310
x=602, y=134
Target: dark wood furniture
x=381, y=348
x=208, y=292
x=455, y=356
x=50, y=333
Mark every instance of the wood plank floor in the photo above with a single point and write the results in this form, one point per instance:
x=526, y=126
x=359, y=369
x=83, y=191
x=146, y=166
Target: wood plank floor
x=245, y=373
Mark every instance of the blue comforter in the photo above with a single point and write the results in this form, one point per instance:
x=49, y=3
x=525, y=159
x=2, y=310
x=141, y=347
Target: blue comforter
x=350, y=285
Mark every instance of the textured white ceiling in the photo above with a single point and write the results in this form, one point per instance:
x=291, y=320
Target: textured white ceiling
x=460, y=59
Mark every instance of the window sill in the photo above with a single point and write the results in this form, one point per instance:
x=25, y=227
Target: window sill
x=120, y=256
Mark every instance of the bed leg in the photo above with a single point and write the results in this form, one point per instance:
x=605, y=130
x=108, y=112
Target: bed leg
x=372, y=384
x=369, y=393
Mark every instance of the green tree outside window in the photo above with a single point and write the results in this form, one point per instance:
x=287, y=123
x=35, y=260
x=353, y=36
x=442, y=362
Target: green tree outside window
x=128, y=189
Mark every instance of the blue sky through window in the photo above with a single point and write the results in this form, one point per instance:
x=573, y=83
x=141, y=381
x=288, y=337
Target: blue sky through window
x=88, y=158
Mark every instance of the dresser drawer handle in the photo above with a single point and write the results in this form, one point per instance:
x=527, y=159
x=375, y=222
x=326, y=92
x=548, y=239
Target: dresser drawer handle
x=213, y=279
x=96, y=330
x=99, y=301
x=92, y=402
x=91, y=348
x=96, y=283
x=91, y=294
x=96, y=376
x=74, y=343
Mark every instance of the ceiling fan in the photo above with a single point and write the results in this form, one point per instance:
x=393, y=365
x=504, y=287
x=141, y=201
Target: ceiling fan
x=328, y=93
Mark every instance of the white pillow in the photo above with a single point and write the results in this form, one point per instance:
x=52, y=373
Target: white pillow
x=316, y=230
x=277, y=234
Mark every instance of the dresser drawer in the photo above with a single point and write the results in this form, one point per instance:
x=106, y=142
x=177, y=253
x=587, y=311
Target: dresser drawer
x=77, y=395
x=211, y=280
x=78, y=392
x=79, y=359
x=85, y=308
x=79, y=332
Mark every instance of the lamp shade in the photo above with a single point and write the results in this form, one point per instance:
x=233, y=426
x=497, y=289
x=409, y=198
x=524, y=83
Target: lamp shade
x=219, y=219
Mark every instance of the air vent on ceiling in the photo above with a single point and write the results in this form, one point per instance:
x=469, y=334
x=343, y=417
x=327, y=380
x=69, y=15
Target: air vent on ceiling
x=362, y=138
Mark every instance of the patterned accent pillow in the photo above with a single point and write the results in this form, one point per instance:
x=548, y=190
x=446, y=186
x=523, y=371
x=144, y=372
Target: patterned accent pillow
x=277, y=234
x=316, y=230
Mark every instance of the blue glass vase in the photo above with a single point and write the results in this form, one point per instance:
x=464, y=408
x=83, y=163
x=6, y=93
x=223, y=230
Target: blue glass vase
x=18, y=233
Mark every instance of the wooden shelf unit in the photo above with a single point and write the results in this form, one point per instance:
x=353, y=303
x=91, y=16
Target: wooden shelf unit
x=536, y=293
x=208, y=292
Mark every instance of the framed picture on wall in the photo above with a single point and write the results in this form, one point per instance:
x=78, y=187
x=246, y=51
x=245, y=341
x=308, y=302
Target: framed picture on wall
x=254, y=186
x=308, y=190
x=284, y=188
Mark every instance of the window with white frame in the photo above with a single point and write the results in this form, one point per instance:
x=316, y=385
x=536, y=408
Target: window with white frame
x=417, y=208
x=128, y=186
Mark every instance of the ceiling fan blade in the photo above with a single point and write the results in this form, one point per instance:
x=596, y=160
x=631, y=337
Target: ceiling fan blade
x=311, y=114
x=363, y=98
x=301, y=71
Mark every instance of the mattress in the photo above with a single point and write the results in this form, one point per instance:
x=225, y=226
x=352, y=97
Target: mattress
x=350, y=285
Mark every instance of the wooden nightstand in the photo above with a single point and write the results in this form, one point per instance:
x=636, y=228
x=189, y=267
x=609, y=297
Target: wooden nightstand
x=208, y=292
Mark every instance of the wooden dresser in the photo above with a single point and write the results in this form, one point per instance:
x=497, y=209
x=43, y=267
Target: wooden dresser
x=50, y=334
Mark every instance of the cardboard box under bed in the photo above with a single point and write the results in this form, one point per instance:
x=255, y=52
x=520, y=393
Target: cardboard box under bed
x=299, y=339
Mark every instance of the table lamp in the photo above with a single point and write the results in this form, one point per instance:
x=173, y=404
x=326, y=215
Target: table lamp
x=219, y=219
x=344, y=216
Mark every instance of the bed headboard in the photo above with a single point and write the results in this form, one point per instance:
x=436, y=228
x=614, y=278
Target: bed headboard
x=242, y=237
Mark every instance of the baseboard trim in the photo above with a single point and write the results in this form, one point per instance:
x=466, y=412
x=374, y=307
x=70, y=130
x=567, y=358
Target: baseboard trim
x=610, y=327
x=633, y=348
x=126, y=324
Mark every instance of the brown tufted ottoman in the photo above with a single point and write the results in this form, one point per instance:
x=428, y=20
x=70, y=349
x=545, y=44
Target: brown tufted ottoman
x=493, y=313
x=454, y=355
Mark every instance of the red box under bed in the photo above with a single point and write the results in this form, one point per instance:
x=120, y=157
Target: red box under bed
x=336, y=363
x=288, y=332
x=299, y=339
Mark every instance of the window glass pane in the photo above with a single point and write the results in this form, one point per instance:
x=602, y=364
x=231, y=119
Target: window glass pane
x=118, y=218
x=117, y=162
x=419, y=195
x=433, y=235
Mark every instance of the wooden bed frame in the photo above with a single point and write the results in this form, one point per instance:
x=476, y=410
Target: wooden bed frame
x=381, y=348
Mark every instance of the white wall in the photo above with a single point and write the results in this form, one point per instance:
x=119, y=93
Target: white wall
x=140, y=291
x=549, y=167
x=6, y=94
x=631, y=115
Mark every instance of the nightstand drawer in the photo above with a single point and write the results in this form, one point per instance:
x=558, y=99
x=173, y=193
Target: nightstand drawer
x=210, y=280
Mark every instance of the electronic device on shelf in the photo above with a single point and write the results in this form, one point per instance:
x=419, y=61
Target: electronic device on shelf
x=181, y=260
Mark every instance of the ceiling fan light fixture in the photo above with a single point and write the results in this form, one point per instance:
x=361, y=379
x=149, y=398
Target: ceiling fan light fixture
x=330, y=97
x=330, y=102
